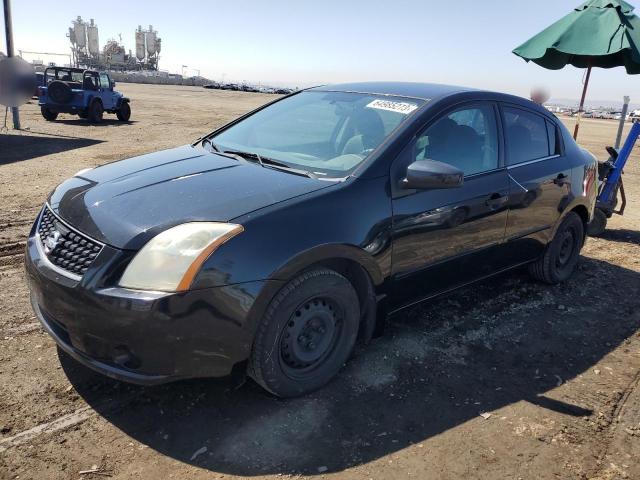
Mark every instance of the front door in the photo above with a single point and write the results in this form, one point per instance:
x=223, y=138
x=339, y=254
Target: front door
x=445, y=238
x=106, y=92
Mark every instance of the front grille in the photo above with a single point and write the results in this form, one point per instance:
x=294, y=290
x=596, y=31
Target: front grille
x=64, y=247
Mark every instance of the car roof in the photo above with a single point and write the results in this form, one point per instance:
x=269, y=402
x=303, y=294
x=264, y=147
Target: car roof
x=72, y=69
x=429, y=92
x=423, y=91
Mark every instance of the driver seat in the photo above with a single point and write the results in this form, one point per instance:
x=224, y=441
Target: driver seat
x=88, y=83
x=369, y=132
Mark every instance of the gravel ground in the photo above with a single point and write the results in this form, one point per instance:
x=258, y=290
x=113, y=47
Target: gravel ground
x=505, y=379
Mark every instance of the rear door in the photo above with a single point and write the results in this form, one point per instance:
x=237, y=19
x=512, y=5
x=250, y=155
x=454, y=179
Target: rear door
x=445, y=238
x=539, y=180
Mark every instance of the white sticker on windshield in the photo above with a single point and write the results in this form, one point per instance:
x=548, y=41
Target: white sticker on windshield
x=398, y=107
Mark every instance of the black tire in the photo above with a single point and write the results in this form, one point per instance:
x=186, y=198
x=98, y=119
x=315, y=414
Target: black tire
x=124, y=112
x=59, y=91
x=95, y=112
x=599, y=223
x=48, y=114
x=561, y=255
x=306, y=334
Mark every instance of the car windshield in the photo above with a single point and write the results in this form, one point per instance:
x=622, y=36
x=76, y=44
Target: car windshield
x=326, y=133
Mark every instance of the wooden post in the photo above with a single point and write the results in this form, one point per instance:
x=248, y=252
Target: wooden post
x=581, y=108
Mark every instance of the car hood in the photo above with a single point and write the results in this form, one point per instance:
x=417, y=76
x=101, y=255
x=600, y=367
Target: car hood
x=125, y=203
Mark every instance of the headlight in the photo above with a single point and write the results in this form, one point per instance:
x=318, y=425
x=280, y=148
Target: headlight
x=170, y=261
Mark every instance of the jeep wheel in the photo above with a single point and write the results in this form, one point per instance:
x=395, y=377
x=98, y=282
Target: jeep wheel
x=560, y=257
x=306, y=334
x=48, y=114
x=124, y=112
x=95, y=112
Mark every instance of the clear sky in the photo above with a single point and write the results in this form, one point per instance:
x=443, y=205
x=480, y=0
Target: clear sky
x=303, y=43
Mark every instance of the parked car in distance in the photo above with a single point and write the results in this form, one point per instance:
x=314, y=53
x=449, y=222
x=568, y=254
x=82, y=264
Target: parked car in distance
x=39, y=83
x=86, y=93
x=275, y=243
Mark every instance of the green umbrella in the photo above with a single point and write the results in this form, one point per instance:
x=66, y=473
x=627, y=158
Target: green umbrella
x=598, y=33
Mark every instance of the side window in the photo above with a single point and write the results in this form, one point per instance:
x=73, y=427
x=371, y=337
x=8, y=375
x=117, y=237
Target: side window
x=526, y=135
x=554, y=144
x=466, y=139
x=104, y=81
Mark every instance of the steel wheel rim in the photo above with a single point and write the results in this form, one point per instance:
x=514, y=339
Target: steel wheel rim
x=310, y=336
x=567, y=247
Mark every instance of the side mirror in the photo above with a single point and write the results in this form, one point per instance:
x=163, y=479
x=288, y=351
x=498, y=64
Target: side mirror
x=113, y=84
x=431, y=174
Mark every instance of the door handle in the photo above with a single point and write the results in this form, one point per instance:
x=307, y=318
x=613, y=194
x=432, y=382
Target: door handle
x=561, y=179
x=496, y=200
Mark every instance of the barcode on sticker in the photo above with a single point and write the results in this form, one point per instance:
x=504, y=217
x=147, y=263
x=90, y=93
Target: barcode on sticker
x=398, y=107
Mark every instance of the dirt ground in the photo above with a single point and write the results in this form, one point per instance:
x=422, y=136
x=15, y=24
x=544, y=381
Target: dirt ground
x=505, y=379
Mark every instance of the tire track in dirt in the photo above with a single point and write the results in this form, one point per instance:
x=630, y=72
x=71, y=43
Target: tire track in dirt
x=56, y=425
x=22, y=329
x=12, y=248
x=9, y=223
x=617, y=415
x=63, y=422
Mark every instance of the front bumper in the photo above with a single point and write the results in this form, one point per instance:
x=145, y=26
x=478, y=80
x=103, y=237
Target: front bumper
x=143, y=337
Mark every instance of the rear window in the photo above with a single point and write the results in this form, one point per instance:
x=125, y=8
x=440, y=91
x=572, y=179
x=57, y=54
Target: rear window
x=527, y=136
x=64, y=75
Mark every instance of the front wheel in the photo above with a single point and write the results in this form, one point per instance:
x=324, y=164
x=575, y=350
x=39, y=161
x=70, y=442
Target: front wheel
x=95, y=112
x=306, y=335
x=124, y=112
x=48, y=114
x=560, y=257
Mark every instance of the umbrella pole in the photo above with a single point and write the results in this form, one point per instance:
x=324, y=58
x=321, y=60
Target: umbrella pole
x=581, y=109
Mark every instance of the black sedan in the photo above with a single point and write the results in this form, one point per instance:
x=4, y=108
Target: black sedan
x=274, y=244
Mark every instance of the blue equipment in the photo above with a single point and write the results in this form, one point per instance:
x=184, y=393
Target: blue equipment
x=610, y=176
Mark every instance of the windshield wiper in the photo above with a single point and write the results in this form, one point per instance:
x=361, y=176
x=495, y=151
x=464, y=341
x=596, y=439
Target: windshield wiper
x=217, y=150
x=271, y=163
x=210, y=142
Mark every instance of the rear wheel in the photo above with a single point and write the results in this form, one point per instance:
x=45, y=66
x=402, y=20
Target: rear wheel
x=306, y=335
x=48, y=114
x=95, y=112
x=124, y=112
x=561, y=255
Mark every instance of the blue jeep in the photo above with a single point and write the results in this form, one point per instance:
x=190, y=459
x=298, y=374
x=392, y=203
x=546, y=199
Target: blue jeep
x=86, y=93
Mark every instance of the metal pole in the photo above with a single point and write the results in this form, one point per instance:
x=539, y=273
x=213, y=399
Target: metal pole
x=584, y=94
x=623, y=117
x=9, y=35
